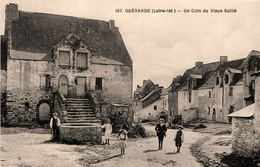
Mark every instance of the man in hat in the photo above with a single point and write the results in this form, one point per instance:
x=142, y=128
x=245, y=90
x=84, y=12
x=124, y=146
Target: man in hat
x=179, y=138
x=161, y=132
x=55, y=126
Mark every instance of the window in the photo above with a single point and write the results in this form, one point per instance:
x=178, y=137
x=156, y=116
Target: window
x=209, y=94
x=190, y=97
x=98, y=84
x=217, y=81
x=155, y=107
x=64, y=58
x=226, y=79
x=208, y=110
x=82, y=60
x=231, y=91
x=47, y=81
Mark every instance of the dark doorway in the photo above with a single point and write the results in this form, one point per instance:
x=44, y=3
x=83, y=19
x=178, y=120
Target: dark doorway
x=231, y=110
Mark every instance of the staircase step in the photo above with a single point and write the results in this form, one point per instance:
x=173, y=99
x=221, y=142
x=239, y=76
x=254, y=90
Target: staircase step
x=83, y=121
x=80, y=113
x=82, y=116
x=78, y=106
x=82, y=124
x=80, y=109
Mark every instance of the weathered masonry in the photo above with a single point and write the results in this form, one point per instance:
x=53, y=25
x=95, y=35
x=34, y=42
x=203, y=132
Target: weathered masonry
x=214, y=90
x=74, y=66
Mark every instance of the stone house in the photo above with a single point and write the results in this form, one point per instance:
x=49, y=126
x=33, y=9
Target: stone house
x=246, y=126
x=150, y=101
x=210, y=91
x=55, y=63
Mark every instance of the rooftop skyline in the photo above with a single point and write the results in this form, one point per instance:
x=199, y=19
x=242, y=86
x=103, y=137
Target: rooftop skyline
x=163, y=45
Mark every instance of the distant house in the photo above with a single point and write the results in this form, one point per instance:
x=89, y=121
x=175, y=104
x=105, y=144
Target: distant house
x=74, y=66
x=214, y=90
x=150, y=101
x=246, y=126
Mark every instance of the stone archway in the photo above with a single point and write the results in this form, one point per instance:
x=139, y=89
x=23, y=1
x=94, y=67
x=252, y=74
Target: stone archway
x=44, y=112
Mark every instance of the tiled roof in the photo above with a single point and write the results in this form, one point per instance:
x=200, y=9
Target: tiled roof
x=248, y=111
x=39, y=32
x=207, y=70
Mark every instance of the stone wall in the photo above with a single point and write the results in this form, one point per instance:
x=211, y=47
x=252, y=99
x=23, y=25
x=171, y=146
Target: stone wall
x=81, y=134
x=22, y=105
x=245, y=141
x=25, y=92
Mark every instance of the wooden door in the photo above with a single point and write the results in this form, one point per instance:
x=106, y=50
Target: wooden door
x=81, y=86
x=44, y=112
x=63, y=85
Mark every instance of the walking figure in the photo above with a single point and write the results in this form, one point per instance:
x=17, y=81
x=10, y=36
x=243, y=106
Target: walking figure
x=108, y=131
x=161, y=132
x=55, y=126
x=179, y=138
x=122, y=137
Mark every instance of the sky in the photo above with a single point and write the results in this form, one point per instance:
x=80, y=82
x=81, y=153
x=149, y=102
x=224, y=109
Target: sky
x=164, y=45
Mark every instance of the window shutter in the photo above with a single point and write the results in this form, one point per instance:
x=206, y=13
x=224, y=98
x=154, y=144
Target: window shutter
x=42, y=80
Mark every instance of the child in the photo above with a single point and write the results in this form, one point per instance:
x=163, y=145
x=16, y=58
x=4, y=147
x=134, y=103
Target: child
x=55, y=126
x=122, y=137
x=108, y=131
x=179, y=139
x=161, y=132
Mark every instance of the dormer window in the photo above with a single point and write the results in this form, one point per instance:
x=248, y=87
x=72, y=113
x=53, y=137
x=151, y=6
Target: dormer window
x=82, y=60
x=226, y=79
x=64, y=58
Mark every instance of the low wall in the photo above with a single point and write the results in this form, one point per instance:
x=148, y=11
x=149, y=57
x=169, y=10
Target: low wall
x=245, y=141
x=81, y=134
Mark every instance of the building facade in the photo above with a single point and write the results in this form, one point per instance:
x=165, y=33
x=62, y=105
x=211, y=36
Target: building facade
x=48, y=55
x=214, y=90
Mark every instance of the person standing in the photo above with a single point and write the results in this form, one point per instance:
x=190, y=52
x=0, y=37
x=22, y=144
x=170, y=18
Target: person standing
x=161, y=132
x=55, y=126
x=108, y=131
x=179, y=138
x=122, y=135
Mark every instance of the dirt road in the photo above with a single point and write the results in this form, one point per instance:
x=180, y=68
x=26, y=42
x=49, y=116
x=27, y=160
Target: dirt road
x=30, y=149
x=145, y=152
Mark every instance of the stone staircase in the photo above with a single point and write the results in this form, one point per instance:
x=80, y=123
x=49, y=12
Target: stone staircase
x=80, y=112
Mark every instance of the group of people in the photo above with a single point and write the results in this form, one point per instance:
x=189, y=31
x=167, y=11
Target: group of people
x=122, y=135
x=161, y=133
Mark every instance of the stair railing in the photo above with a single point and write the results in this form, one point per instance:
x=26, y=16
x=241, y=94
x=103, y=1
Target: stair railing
x=59, y=106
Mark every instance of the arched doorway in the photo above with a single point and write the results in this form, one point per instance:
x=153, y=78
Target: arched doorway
x=63, y=85
x=214, y=115
x=44, y=112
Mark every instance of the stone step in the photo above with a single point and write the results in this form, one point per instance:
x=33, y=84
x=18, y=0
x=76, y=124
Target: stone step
x=80, y=117
x=79, y=110
x=78, y=100
x=81, y=124
x=80, y=113
x=83, y=121
x=78, y=106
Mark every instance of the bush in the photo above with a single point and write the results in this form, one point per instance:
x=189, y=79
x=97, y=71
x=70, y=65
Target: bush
x=136, y=131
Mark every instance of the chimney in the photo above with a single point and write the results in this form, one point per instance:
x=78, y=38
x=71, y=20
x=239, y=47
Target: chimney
x=111, y=23
x=11, y=12
x=198, y=63
x=223, y=59
x=138, y=86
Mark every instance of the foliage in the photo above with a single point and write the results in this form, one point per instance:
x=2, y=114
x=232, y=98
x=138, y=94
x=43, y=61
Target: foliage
x=136, y=131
